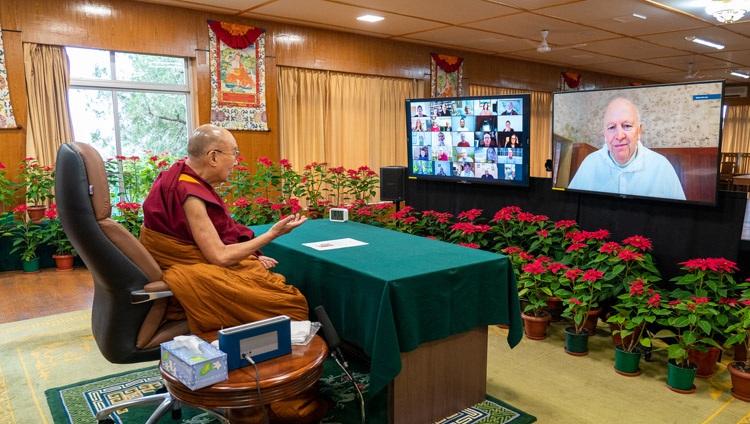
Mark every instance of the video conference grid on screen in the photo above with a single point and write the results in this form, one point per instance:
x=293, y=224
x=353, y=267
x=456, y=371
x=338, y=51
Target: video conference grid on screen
x=480, y=139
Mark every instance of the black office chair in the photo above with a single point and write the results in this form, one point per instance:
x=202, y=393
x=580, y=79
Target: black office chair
x=127, y=315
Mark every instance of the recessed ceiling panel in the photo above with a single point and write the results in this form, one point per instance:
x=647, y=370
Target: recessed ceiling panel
x=341, y=17
x=730, y=40
x=569, y=57
x=530, y=25
x=618, y=16
x=629, y=49
x=446, y=11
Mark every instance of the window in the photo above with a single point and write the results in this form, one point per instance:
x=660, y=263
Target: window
x=127, y=104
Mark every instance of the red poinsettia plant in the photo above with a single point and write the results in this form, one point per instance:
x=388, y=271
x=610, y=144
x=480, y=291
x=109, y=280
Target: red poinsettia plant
x=469, y=231
x=580, y=290
x=634, y=310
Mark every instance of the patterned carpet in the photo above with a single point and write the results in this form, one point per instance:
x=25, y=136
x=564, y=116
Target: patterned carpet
x=41, y=357
x=77, y=403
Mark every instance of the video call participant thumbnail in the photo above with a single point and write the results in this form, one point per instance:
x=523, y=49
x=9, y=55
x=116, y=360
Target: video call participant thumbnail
x=623, y=165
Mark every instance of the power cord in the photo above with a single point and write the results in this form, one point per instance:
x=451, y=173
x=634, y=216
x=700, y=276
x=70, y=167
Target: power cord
x=341, y=362
x=248, y=358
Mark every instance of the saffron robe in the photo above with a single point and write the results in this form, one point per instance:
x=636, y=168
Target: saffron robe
x=212, y=296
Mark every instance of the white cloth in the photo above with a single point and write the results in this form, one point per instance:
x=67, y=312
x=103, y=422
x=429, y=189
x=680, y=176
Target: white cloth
x=649, y=174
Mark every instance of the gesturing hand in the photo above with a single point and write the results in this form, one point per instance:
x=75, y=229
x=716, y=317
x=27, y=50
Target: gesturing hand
x=287, y=224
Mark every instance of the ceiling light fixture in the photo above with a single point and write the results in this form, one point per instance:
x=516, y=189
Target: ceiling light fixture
x=739, y=74
x=370, y=18
x=728, y=11
x=705, y=42
x=636, y=15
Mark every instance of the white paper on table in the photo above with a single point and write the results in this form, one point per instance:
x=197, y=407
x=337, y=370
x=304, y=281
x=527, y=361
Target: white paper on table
x=335, y=244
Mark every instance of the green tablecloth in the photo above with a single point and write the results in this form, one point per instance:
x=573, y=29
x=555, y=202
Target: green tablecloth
x=397, y=291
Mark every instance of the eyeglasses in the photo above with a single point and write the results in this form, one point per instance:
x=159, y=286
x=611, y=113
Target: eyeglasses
x=236, y=152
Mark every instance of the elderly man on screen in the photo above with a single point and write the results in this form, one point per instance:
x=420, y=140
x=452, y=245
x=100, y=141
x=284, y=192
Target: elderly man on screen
x=624, y=165
x=212, y=264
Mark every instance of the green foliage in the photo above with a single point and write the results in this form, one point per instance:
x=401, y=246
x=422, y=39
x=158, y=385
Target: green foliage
x=581, y=292
x=53, y=234
x=38, y=181
x=634, y=310
x=27, y=235
x=7, y=189
x=130, y=217
x=130, y=178
x=738, y=329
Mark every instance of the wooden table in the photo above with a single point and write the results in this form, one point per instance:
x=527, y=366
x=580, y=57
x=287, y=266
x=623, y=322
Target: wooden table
x=742, y=181
x=280, y=378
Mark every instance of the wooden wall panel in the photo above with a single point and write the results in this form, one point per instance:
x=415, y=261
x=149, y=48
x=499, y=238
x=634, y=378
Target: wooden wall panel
x=147, y=28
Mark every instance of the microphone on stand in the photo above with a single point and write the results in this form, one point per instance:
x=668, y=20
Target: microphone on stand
x=334, y=344
x=331, y=335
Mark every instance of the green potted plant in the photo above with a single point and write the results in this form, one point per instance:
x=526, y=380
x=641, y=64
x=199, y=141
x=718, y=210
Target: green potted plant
x=38, y=181
x=580, y=291
x=711, y=279
x=54, y=236
x=27, y=236
x=537, y=281
x=738, y=334
x=633, y=311
x=687, y=326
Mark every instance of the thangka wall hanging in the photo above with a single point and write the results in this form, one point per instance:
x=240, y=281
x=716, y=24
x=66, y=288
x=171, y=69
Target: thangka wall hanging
x=238, y=76
x=6, y=111
x=445, y=75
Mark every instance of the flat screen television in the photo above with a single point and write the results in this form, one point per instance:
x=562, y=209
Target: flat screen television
x=473, y=140
x=653, y=141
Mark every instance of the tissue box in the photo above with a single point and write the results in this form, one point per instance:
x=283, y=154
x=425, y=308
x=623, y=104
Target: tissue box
x=193, y=370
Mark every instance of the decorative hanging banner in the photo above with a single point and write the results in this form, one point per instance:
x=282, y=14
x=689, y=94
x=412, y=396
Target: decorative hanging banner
x=446, y=75
x=571, y=79
x=7, y=120
x=238, y=76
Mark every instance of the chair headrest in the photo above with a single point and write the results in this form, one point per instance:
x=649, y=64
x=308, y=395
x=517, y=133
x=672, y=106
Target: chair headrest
x=98, y=184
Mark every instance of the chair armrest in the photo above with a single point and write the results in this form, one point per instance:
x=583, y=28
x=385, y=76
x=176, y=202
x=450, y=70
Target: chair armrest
x=152, y=291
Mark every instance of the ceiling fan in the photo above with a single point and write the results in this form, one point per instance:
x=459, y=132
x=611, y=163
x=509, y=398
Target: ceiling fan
x=544, y=47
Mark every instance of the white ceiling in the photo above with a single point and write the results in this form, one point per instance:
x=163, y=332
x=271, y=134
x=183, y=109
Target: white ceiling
x=651, y=49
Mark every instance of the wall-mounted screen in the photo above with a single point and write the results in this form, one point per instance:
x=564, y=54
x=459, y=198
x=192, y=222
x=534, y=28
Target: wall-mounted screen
x=655, y=141
x=469, y=139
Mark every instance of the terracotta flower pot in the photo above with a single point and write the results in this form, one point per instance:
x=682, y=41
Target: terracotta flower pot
x=592, y=320
x=706, y=361
x=36, y=213
x=555, y=308
x=740, y=382
x=535, y=328
x=63, y=262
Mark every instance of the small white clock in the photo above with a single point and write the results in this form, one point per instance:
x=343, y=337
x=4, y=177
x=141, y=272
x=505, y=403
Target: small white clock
x=338, y=215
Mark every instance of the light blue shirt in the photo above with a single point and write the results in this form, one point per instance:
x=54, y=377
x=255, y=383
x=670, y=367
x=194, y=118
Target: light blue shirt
x=648, y=174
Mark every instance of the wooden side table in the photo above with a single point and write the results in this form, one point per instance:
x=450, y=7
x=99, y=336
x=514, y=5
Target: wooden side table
x=280, y=378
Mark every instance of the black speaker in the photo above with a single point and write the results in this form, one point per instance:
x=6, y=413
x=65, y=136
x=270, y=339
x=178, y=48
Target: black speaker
x=392, y=180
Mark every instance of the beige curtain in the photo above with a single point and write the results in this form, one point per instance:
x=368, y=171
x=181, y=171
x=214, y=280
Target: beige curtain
x=736, y=132
x=47, y=81
x=540, y=139
x=343, y=119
